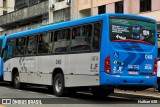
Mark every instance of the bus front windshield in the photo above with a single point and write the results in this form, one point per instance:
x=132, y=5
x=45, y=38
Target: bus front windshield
x=123, y=29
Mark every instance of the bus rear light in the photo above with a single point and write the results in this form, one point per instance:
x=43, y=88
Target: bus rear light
x=155, y=68
x=107, y=66
x=112, y=16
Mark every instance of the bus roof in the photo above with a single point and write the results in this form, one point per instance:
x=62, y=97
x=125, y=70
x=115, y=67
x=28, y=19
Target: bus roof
x=72, y=23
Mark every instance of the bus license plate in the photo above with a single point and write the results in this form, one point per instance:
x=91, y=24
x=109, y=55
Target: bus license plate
x=133, y=72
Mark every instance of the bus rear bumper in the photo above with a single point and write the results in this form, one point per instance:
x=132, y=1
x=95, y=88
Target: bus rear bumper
x=117, y=80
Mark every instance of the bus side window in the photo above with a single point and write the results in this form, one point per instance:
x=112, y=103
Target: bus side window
x=44, y=43
x=20, y=46
x=96, y=36
x=8, y=51
x=81, y=38
x=31, y=45
x=61, y=41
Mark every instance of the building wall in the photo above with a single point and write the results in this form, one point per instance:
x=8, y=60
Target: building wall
x=135, y=6
x=110, y=8
x=129, y=7
x=85, y=13
x=59, y=11
x=74, y=9
x=85, y=4
x=155, y=5
x=93, y=6
x=1, y=7
x=9, y=6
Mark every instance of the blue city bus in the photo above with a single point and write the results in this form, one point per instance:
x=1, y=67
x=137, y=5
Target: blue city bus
x=97, y=53
x=2, y=45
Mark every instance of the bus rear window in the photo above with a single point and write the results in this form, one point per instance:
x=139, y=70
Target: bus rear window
x=132, y=30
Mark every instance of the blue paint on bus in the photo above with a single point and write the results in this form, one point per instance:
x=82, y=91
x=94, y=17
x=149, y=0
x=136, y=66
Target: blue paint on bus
x=134, y=65
x=2, y=45
x=131, y=61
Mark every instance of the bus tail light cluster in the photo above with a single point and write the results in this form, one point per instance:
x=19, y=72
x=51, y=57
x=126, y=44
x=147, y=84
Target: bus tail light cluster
x=155, y=68
x=107, y=66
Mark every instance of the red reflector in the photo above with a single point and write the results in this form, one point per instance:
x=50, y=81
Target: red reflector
x=112, y=17
x=155, y=68
x=107, y=67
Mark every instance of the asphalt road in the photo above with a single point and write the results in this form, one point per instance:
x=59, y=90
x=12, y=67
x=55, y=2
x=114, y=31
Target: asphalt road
x=80, y=99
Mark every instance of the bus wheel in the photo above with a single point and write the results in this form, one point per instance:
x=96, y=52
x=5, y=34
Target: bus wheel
x=100, y=92
x=16, y=81
x=58, y=85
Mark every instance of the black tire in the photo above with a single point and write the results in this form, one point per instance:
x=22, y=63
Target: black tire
x=100, y=92
x=16, y=81
x=58, y=85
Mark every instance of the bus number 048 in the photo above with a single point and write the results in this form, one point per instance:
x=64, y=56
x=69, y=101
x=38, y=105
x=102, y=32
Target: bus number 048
x=58, y=62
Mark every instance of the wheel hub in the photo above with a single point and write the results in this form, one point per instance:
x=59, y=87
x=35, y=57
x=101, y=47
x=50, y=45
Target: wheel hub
x=58, y=85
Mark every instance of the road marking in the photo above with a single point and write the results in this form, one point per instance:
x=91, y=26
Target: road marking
x=19, y=90
x=50, y=95
x=74, y=99
x=120, y=97
x=33, y=92
x=84, y=93
x=2, y=106
x=5, y=87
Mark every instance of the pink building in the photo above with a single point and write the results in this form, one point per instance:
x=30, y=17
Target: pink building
x=149, y=8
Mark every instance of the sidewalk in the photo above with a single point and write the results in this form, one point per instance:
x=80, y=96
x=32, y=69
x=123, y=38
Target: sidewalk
x=149, y=93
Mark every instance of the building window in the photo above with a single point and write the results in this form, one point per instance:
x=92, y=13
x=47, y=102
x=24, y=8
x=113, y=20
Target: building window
x=101, y=9
x=119, y=7
x=4, y=3
x=61, y=15
x=145, y=5
x=4, y=12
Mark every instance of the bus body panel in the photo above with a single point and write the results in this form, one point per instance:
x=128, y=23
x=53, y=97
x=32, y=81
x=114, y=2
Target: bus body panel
x=3, y=40
x=39, y=69
x=86, y=69
x=119, y=80
x=129, y=65
x=1, y=59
